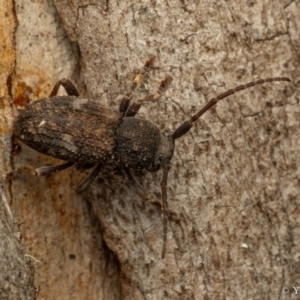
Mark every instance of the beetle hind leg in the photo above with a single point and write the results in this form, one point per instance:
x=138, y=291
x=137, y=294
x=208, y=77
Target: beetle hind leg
x=47, y=170
x=41, y=171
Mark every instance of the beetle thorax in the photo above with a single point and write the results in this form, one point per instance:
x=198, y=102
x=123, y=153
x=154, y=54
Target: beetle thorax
x=136, y=142
x=140, y=144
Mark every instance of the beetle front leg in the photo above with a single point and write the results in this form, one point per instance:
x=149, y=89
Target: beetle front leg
x=136, y=81
x=135, y=106
x=126, y=99
x=68, y=86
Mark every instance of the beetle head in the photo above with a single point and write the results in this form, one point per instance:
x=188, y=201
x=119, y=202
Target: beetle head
x=163, y=154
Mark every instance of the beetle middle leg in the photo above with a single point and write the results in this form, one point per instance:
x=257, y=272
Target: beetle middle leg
x=85, y=183
x=47, y=170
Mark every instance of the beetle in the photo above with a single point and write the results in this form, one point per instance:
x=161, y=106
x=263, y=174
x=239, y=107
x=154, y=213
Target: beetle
x=81, y=131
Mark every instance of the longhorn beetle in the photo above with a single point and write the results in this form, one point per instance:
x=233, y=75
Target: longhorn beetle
x=81, y=131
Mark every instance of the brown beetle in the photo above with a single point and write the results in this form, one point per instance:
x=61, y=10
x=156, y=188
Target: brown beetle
x=82, y=131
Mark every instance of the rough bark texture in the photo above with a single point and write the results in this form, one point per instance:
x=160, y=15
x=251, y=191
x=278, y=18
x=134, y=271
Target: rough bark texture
x=16, y=270
x=234, y=183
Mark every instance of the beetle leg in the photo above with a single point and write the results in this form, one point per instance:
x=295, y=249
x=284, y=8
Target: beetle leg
x=68, y=86
x=126, y=99
x=124, y=105
x=42, y=171
x=138, y=187
x=84, y=184
x=135, y=106
x=47, y=170
x=136, y=81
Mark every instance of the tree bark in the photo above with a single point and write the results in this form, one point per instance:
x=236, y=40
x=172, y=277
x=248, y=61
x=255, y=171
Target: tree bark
x=233, y=188
x=16, y=270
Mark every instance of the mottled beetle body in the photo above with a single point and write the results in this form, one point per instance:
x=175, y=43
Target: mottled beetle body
x=68, y=128
x=82, y=131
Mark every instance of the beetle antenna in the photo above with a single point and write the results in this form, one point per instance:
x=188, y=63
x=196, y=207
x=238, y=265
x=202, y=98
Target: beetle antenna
x=187, y=125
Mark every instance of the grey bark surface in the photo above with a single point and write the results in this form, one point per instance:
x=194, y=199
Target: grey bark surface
x=233, y=187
